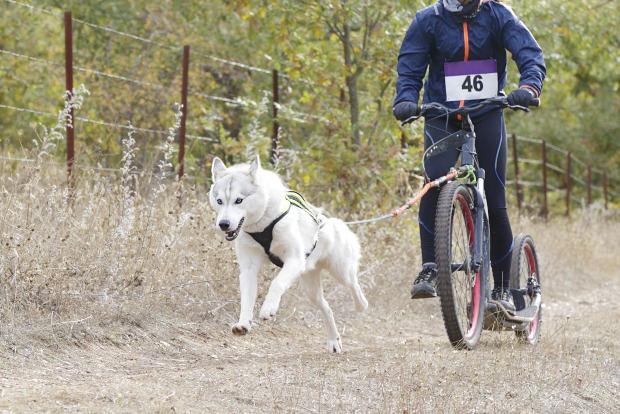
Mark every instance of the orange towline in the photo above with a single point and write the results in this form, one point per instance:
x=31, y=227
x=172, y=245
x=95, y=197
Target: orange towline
x=411, y=201
x=424, y=190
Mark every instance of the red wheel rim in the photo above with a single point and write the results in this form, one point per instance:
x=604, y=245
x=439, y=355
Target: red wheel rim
x=533, y=272
x=475, y=291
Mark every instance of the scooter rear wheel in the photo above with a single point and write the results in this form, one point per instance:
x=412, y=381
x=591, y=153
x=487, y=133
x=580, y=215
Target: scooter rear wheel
x=525, y=274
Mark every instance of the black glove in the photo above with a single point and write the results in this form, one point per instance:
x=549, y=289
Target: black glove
x=521, y=97
x=405, y=110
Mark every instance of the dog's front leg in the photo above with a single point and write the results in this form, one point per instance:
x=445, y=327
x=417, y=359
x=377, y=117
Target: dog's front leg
x=293, y=266
x=248, y=288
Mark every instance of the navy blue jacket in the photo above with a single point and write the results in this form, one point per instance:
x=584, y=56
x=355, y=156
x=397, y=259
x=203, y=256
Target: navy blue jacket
x=436, y=37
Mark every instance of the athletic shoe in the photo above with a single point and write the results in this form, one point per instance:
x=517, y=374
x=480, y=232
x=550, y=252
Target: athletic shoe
x=504, y=297
x=425, y=285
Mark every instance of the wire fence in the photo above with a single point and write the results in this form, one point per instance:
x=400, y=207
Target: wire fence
x=155, y=89
x=537, y=165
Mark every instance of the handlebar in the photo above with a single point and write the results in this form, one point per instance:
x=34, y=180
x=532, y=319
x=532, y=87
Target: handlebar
x=499, y=101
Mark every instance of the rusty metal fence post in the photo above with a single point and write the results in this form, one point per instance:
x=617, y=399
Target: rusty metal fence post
x=184, y=86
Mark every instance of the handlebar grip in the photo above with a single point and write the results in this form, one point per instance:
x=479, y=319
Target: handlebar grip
x=535, y=102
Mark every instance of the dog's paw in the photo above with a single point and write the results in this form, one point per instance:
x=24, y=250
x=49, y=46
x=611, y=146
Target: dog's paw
x=268, y=310
x=241, y=329
x=334, y=346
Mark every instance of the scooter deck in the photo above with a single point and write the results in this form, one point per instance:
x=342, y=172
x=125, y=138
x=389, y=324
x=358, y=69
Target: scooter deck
x=497, y=317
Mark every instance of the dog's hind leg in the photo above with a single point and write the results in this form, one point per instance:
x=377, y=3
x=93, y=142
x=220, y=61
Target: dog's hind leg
x=361, y=304
x=354, y=286
x=342, y=259
x=311, y=282
x=345, y=271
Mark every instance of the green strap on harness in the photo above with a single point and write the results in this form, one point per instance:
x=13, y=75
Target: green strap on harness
x=265, y=237
x=299, y=201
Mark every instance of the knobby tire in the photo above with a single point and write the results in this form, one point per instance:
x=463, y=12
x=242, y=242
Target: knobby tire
x=524, y=266
x=462, y=292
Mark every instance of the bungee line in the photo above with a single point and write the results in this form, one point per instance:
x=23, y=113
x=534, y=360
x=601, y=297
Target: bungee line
x=436, y=183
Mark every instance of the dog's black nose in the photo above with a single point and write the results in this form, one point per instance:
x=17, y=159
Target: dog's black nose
x=224, y=225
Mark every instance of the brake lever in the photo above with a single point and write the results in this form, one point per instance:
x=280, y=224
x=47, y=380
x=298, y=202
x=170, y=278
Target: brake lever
x=410, y=120
x=519, y=108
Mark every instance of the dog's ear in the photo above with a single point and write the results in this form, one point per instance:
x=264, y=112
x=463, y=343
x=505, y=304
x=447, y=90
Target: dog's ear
x=255, y=166
x=216, y=168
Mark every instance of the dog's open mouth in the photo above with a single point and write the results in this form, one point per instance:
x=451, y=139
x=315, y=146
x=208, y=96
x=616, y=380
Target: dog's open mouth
x=232, y=235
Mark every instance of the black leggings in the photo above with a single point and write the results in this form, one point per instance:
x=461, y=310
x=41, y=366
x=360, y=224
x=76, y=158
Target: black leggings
x=491, y=148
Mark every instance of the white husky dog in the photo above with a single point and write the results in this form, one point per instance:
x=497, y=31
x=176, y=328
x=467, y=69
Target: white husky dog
x=267, y=221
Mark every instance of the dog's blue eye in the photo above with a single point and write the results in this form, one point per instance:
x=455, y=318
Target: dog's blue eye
x=238, y=201
x=219, y=201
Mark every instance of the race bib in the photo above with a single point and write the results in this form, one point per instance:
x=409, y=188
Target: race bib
x=475, y=79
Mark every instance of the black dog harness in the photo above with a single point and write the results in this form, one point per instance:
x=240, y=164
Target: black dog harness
x=265, y=237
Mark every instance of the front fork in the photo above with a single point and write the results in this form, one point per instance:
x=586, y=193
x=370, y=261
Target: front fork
x=480, y=212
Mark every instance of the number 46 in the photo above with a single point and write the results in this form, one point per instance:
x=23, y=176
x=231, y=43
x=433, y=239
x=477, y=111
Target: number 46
x=476, y=85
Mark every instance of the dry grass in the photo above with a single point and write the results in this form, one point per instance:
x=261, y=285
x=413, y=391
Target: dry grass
x=121, y=301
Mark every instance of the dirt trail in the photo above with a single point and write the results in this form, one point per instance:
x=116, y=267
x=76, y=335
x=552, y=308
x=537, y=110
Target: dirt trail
x=396, y=356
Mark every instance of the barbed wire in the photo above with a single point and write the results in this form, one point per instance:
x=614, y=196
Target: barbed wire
x=202, y=138
x=169, y=47
x=142, y=39
x=166, y=46
x=32, y=111
x=103, y=123
x=115, y=125
x=34, y=59
x=237, y=101
x=122, y=78
x=81, y=167
x=33, y=8
x=208, y=96
x=232, y=63
x=80, y=69
x=119, y=33
x=172, y=174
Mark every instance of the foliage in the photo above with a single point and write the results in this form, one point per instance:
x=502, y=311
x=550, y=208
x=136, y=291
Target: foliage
x=336, y=62
x=581, y=94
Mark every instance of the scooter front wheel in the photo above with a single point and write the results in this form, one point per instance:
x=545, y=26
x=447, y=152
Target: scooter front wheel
x=461, y=289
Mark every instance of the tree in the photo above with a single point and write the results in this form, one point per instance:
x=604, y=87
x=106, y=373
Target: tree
x=337, y=66
x=581, y=96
